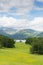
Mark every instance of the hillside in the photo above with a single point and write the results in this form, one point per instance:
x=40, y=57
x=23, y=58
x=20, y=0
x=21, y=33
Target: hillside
x=40, y=35
x=20, y=34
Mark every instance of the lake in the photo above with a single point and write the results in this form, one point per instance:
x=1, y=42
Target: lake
x=20, y=40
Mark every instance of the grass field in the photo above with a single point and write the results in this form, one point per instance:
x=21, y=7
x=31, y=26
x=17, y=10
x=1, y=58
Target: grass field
x=20, y=55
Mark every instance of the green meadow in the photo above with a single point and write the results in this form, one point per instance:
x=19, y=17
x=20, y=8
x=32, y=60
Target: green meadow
x=20, y=55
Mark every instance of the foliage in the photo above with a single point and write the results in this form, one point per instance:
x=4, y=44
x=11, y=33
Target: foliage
x=6, y=42
x=37, y=45
x=29, y=40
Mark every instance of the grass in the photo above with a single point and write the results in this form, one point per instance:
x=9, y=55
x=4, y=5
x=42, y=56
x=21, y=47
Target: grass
x=19, y=56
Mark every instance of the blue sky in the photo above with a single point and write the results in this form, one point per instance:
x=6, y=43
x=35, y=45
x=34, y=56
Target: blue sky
x=22, y=14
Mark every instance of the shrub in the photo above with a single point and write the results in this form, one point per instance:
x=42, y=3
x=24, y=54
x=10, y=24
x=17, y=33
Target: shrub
x=37, y=46
x=6, y=42
x=1, y=45
x=29, y=40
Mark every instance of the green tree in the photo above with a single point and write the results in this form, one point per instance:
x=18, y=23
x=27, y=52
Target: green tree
x=29, y=40
x=37, y=45
x=6, y=42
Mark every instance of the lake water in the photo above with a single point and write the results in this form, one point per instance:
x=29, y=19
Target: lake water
x=20, y=40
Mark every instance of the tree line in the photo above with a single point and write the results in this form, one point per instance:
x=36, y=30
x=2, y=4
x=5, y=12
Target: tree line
x=6, y=42
x=36, y=44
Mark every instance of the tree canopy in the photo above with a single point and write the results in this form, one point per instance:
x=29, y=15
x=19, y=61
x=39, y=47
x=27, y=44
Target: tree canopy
x=6, y=42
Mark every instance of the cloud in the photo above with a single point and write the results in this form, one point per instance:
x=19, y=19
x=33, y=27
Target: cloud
x=12, y=22
x=22, y=6
x=36, y=23
x=37, y=8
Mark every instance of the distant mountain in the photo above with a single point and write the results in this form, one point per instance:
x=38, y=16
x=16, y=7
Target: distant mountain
x=20, y=34
x=2, y=32
x=40, y=35
x=23, y=34
x=7, y=31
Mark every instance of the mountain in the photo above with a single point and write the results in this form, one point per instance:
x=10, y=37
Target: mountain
x=20, y=34
x=23, y=34
x=40, y=35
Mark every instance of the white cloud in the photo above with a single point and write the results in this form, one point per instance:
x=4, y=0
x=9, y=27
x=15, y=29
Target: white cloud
x=22, y=5
x=12, y=22
x=36, y=23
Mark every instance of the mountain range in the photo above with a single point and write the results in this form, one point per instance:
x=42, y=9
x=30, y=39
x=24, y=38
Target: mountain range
x=20, y=34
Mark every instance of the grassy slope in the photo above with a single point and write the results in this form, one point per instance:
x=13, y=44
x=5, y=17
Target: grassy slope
x=19, y=56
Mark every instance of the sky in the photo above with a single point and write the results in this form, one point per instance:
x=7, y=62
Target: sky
x=21, y=14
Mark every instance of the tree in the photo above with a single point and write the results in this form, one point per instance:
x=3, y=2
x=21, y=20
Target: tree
x=6, y=42
x=29, y=40
x=37, y=45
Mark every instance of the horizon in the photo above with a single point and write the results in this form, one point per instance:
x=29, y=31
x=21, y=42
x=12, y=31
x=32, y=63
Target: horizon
x=18, y=29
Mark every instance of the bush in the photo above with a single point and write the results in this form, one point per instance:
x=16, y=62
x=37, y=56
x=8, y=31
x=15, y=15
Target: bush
x=0, y=44
x=6, y=42
x=29, y=40
x=37, y=45
x=9, y=43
